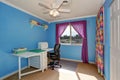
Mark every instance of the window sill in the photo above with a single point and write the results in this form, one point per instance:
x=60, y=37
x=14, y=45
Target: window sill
x=71, y=44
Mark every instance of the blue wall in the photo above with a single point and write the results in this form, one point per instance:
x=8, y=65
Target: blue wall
x=15, y=32
x=107, y=39
x=72, y=51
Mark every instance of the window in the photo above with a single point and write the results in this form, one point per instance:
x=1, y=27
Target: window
x=70, y=36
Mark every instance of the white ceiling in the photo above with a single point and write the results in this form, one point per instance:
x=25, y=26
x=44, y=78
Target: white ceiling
x=79, y=8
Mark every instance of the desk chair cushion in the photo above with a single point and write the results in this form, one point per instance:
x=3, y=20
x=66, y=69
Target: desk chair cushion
x=54, y=56
x=56, y=53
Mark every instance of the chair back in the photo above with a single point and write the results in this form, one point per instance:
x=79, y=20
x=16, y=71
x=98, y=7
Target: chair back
x=57, y=49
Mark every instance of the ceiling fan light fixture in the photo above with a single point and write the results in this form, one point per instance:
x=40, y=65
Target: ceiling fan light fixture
x=51, y=12
x=54, y=13
x=55, y=9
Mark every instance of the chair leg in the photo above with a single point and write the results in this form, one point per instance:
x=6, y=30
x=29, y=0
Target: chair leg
x=54, y=64
x=52, y=67
x=58, y=65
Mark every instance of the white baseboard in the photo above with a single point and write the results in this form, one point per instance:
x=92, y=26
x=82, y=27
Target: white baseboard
x=75, y=60
x=12, y=73
x=105, y=77
x=70, y=60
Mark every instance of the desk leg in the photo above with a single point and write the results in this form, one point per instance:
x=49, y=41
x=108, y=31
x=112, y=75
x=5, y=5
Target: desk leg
x=41, y=62
x=28, y=62
x=19, y=65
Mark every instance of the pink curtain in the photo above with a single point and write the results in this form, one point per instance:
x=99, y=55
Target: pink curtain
x=80, y=27
x=60, y=28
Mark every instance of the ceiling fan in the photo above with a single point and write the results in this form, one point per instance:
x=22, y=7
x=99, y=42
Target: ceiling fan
x=55, y=7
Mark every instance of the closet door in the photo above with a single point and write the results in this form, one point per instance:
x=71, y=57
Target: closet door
x=115, y=41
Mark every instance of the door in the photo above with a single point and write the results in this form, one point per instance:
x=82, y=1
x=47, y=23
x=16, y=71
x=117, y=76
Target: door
x=115, y=41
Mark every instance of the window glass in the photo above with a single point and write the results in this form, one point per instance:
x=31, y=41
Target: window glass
x=65, y=38
x=76, y=39
x=70, y=36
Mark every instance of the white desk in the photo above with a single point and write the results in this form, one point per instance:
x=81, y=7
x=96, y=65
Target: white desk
x=48, y=49
x=29, y=55
x=43, y=60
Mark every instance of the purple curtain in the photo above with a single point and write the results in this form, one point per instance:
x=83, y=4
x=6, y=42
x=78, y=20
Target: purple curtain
x=80, y=27
x=60, y=28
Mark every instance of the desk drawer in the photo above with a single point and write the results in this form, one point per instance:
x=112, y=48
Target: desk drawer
x=35, y=61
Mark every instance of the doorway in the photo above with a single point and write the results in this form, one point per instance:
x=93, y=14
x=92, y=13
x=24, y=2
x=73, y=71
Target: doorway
x=115, y=40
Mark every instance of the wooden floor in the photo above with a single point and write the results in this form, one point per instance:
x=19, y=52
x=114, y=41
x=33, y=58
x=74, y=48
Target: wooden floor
x=69, y=71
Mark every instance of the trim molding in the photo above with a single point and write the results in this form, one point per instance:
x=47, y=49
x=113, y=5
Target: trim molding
x=74, y=18
x=105, y=77
x=2, y=78
x=23, y=10
x=1, y=0
x=70, y=60
x=103, y=1
x=75, y=60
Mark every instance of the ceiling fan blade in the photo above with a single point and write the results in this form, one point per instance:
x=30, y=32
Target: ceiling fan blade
x=57, y=4
x=46, y=12
x=64, y=10
x=43, y=4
